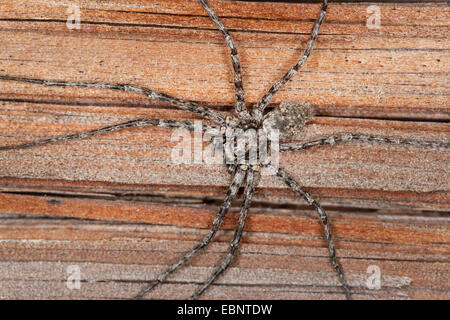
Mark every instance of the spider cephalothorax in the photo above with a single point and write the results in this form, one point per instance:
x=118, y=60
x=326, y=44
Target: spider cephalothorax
x=288, y=119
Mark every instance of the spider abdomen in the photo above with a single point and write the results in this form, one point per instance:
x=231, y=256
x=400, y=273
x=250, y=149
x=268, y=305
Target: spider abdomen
x=289, y=118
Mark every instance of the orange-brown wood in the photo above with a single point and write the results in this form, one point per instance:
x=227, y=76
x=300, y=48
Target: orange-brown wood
x=132, y=211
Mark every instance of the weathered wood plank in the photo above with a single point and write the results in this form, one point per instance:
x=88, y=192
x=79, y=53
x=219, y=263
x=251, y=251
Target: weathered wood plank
x=143, y=156
x=291, y=263
x=399, y=70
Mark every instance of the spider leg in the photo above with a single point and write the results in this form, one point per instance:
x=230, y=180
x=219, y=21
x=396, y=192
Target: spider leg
x=240, y=107
x=119, y=126
x=346, y=137
x=291, y=183
x=231, y=193
x=265, y=100
x=216, y=116
x=252, y=177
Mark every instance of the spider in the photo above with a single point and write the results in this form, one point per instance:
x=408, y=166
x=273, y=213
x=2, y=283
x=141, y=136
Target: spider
x=288, y=118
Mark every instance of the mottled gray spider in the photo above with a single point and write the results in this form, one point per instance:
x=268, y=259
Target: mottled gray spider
x=287, y=118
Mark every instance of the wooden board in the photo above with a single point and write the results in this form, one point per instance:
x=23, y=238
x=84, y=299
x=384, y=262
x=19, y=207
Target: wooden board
x=120, y=209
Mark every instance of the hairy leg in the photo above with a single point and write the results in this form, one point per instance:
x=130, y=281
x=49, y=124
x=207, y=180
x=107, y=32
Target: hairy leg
x=115, y=127
x=240, y=107
x=346, y=137
x=231, y=193
x=265, y=100
x=252, y=178
x=211, y=114
x=291, y=183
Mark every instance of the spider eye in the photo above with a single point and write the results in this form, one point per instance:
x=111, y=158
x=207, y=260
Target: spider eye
x=289, y=118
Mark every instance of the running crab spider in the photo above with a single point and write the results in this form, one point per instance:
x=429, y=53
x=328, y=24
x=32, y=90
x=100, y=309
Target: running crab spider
x=288, y=118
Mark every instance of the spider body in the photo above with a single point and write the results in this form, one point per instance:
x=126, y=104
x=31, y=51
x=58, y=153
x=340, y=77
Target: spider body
x=249, y=141
x=285, y=120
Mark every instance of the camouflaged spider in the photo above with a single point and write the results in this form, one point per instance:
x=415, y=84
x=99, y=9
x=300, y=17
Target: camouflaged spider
x=288, y=118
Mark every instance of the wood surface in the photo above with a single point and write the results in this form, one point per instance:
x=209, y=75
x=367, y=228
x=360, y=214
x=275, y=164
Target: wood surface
x=120, y=209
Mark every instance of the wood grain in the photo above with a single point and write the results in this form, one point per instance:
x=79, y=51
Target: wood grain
x=117, y=206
